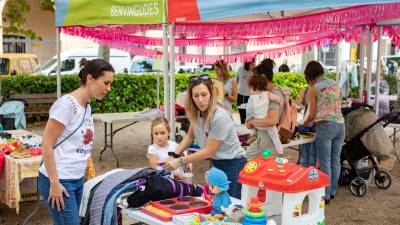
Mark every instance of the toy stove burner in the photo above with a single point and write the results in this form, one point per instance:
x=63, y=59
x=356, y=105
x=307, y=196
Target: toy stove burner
x=197, y=204
x=179, y=207
x=167, y=202
x=185, y=199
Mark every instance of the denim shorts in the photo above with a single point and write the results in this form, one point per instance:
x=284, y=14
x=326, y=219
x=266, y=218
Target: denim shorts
x=231, y=167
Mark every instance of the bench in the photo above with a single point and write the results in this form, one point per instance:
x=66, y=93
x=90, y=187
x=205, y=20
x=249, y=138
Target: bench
x=36, y=104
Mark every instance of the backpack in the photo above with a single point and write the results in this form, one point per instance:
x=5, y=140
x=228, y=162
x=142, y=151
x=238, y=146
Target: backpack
x=288, y=120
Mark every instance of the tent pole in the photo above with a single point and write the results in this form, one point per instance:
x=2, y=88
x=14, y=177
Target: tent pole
x=172, y=79
x=165, y=69
x=361, y=68
x=337, y=62
x=378, y=71
x=58, y=46
x=369, y=63
x=158, y=89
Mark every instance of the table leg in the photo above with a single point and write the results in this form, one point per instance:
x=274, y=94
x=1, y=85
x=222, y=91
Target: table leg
x=38, y=202
x=111, y=144
x=111, y=134
x=105, y=140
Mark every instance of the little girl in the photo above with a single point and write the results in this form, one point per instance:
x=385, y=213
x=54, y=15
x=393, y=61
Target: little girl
x=257, y=108
x=158, y=151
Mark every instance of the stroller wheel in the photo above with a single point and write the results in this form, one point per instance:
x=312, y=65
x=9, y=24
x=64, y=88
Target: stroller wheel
x=358, y=186
x=382, y=179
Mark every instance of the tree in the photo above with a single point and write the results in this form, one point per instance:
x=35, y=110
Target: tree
x=14, y=17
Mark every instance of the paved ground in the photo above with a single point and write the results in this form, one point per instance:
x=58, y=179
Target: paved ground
x=378, y=207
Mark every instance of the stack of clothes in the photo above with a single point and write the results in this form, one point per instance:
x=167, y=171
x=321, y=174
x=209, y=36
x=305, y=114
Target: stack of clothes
x=142, y=185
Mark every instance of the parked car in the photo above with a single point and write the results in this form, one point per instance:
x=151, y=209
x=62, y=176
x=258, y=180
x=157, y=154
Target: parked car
x=204, y=68
x=17, y=63
x=70, y=59
x=141, y=65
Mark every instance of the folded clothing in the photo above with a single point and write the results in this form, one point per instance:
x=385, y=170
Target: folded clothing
x=158, y=188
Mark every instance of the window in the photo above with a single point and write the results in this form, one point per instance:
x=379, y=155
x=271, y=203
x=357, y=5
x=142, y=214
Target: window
x=142, y=66
x=49, y=63
x=327, y=55
x=26, y=67
x=4, y=65
x=68, y=65
x=14, y=44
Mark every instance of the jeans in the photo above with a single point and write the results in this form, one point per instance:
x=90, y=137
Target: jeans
x=70, y=214
x=231, y=167
x=329, y=141
x=241, y=99
x=307, y=155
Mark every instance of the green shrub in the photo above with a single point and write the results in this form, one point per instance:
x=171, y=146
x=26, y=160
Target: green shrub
x=129, y=92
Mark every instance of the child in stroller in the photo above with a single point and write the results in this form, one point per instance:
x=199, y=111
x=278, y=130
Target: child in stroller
x=362, y=128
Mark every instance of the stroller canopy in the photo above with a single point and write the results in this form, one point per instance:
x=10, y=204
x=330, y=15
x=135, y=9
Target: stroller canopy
x=14, y=109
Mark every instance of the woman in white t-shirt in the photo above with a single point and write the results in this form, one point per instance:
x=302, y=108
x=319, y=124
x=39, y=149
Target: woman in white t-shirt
x=68, y=141
x=161, y=146
x=242, y=78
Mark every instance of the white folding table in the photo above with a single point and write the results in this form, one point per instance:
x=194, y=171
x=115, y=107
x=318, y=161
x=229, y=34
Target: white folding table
x=111, y=118
x=300, y=141
x=395, y=126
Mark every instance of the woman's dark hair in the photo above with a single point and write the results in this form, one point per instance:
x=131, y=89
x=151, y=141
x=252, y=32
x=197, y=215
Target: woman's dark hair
x=82, y=63
x=247, y=64
x=94, y=67
x=284, y=68
x=258, y=82
x=313, y=70
x=266, y=68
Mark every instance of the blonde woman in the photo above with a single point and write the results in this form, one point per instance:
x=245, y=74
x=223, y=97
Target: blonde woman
x=230, y=84
x=214, y=131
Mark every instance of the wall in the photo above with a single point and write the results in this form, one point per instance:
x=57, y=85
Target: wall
x=42, y=23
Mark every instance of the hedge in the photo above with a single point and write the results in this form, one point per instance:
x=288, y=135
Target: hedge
x=129, y=92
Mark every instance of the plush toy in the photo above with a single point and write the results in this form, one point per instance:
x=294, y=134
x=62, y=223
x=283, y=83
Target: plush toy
x=219, y=184
x=157, y=188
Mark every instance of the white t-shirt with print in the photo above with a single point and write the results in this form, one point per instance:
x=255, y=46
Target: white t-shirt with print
x=162, y=153
x=72, y=155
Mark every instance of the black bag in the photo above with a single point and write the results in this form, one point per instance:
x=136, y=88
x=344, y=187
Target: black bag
x=7, y=123
x=394, y=106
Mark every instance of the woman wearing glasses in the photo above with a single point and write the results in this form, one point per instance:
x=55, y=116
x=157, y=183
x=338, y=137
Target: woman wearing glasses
x=230, y=85
x=214, y=131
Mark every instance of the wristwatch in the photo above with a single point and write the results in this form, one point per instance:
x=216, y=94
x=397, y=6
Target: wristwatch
x=173, y=154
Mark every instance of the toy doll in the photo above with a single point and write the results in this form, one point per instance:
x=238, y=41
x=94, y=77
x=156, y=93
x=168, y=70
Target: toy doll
x=219, y=184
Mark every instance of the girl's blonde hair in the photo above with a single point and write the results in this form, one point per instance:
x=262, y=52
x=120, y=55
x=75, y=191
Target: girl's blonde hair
x=192, y=112
x=158, y=121
x=224, y=68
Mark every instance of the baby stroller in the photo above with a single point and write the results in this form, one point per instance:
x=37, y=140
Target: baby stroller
x=355, y=151
x=12, y=115
x=183, y=124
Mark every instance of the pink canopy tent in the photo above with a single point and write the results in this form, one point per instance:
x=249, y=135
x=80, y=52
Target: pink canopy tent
x=297, y=34
x=318, y=26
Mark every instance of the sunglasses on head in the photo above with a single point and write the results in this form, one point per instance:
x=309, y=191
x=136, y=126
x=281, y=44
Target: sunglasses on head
x=199, y=78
